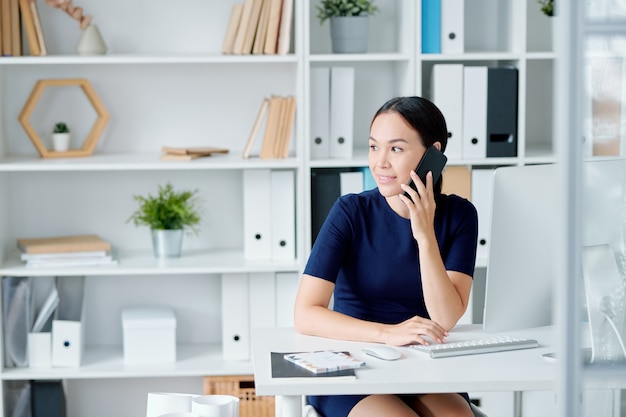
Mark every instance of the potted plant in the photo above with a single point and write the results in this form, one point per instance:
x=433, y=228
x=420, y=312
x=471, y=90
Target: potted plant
x=547, y=7
x=61, y=137
x=168, y=214
x=349, y=23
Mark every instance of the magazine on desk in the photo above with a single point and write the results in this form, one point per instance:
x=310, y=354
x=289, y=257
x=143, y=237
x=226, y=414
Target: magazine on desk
x=320, y=364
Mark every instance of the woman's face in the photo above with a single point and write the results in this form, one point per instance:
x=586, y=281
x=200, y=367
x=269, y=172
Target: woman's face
x=395, y=148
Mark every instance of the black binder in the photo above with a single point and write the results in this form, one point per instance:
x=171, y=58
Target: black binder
x=47, y=398
x=502, y=112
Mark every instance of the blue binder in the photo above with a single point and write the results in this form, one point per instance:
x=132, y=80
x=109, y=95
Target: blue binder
x=431, y=26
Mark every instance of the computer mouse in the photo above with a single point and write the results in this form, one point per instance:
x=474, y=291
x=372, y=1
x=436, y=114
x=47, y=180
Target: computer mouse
x=383, y=352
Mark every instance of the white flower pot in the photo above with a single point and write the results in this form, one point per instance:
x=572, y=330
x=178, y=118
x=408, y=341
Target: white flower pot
x=60, y=142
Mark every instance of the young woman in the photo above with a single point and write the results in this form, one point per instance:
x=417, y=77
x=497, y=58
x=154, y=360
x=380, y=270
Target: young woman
x=400, y=269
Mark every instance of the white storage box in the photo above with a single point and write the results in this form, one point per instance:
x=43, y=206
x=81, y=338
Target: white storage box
x=149, y=335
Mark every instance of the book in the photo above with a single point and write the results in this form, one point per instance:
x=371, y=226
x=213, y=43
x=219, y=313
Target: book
x=61, y=255
x=284, y=32
x=273, y=27
x=286, y=135
x=6, y=27
x=76, y=243
x=280, y=127
x=261, y=30
x=38, y=29
x=267, y=147
x=324, y=361
x=243, y=27
x=255, y=128
x=69, y=262
x=253, y=24
x=16, y=29
x=177, y=157
x=282, y=368
x=200, y=150
x=29, y=28
x=231, y=29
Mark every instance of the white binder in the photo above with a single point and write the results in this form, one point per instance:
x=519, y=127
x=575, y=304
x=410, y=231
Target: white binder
x=283, y=218
x=235, y=317
x=286, y=289
x=482, y=195
x=474, y=112
x=262, y=299
x=320, y=112
x=341, y=112
x=447, y=94
x=257, y=214
x=452, y=26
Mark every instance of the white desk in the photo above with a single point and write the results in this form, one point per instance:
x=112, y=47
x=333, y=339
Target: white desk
x=520, y=370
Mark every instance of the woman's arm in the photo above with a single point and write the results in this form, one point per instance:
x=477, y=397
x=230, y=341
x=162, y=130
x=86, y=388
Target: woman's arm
x=446, y=293
x=313, y=317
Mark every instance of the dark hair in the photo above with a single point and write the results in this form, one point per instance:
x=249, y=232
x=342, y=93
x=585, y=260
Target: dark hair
x=423, y=116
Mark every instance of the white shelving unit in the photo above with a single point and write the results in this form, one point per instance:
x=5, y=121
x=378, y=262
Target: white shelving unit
x=165, y=82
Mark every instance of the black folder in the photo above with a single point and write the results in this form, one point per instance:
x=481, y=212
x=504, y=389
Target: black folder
x=502, y=109
x=47, y=398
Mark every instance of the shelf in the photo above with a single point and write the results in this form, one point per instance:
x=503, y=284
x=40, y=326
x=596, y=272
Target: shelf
x=138, y=162
x=148, y=59
x=144, y=263
x=381, y=57
x=108, y=362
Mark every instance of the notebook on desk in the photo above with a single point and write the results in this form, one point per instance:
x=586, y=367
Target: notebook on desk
x=282, y=368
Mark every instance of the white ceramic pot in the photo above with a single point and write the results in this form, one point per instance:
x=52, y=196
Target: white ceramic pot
x=60, y=142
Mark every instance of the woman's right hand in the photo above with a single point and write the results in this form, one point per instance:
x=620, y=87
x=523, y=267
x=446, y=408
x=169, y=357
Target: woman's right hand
x=415, y=330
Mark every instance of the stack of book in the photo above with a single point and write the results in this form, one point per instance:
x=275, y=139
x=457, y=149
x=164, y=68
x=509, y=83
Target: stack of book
x=281, y=113
x=78, y=250
x=187, y=154
x=259, y=27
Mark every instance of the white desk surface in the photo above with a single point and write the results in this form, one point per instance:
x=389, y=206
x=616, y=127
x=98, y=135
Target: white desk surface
x=415, y=372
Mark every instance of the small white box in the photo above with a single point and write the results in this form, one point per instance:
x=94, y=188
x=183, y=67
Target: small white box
x=39, y=350
x=149, y=335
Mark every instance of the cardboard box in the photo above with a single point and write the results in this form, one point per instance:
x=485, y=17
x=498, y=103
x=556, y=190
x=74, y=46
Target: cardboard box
x=149, y=335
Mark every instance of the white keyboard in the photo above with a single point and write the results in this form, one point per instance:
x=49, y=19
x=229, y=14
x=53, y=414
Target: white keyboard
x=476, y=346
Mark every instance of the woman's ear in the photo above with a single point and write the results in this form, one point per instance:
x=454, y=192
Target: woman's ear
x=437, y=145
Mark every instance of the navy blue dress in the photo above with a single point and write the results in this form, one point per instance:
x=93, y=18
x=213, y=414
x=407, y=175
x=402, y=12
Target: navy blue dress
x=368, y=251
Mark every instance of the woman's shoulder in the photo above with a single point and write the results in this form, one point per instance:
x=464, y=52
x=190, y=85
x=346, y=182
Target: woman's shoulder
x=361, y=199
x=456, y=203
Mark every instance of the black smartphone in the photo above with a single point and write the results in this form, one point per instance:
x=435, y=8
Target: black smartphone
x=434, y=161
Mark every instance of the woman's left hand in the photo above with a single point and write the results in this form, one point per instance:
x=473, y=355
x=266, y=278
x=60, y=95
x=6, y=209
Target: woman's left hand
x=422, y=206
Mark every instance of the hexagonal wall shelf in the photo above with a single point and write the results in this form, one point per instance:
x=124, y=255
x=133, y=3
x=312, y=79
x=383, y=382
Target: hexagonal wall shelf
x=94, y=134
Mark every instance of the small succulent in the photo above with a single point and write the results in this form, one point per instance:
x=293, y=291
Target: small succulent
x=61, y=128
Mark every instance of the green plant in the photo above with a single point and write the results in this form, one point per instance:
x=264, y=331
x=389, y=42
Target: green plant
x=332, y=8
x=547, y=7
x=61, y=128
x=168, y=210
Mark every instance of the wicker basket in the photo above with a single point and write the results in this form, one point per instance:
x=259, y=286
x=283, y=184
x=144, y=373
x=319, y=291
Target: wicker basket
x=242, y=387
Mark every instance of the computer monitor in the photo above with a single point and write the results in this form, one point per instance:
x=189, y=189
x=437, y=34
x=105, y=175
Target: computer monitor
x=522, y=262
x=527, y=208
